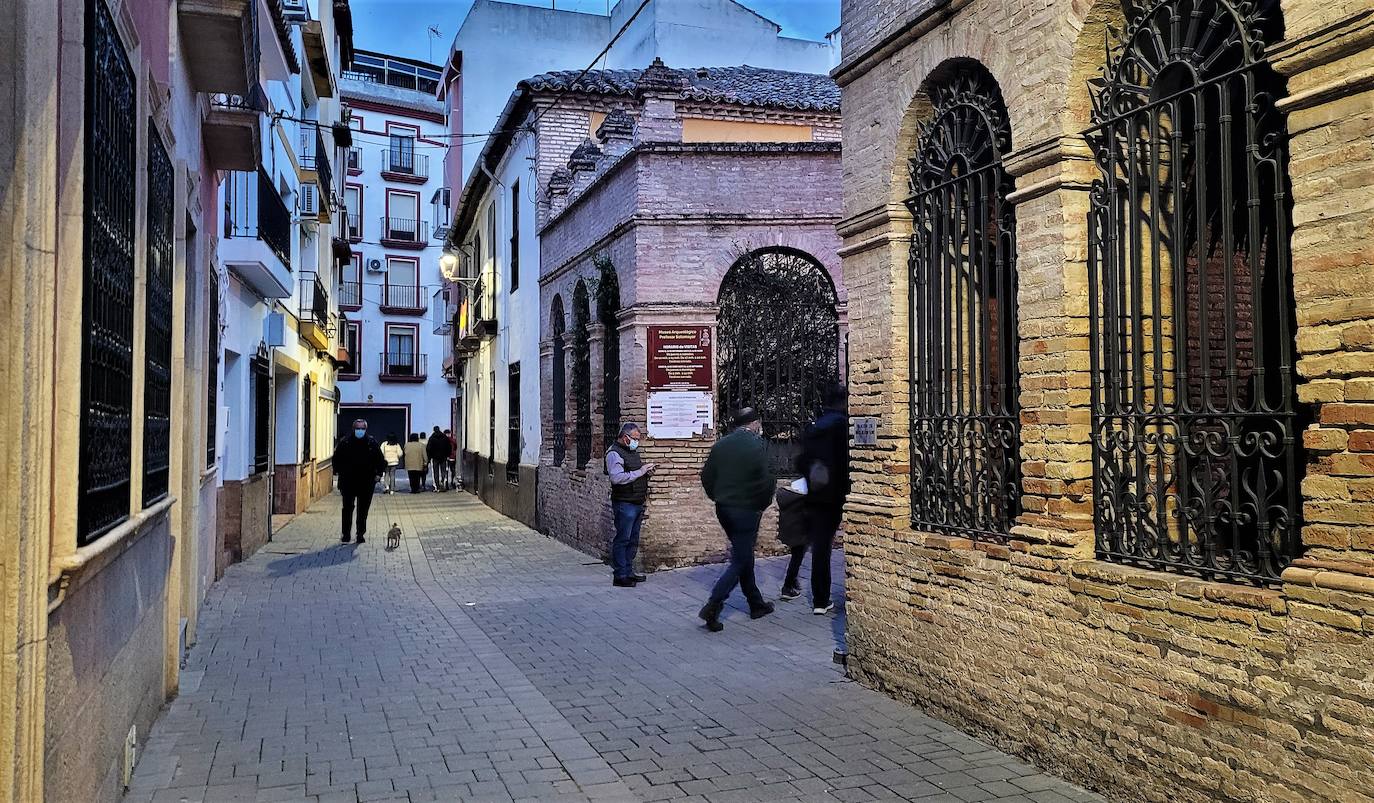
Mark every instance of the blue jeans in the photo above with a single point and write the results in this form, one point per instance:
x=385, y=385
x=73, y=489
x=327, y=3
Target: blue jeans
x=741, y=526
x=629, y=517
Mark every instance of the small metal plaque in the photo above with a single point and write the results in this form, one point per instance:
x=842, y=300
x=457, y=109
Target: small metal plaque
x=865, y=432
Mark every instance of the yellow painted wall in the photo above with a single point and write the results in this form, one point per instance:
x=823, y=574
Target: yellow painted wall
x=695, y=129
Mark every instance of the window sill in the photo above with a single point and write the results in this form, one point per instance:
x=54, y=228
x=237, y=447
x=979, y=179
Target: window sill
x=87, y=561
x=1105, y=579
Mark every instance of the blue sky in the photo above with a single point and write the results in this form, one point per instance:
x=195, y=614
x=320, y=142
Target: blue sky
x=400, y=26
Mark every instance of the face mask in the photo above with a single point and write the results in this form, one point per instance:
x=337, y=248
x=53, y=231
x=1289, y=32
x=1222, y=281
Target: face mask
x=634, y=444
x=359, y=433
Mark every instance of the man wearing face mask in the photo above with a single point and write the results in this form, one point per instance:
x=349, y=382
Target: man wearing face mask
x=629, y=491
x=358, y=463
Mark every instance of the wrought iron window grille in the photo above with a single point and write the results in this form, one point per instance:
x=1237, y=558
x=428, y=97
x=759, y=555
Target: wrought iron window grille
x=513, y=424
x=260, y=368
x=608, y=314
x=106, y=463
x=1197, y=456
x=582, y=374
x=965, y=421
x=778, y=345
x=559, y=412
x=157, y=339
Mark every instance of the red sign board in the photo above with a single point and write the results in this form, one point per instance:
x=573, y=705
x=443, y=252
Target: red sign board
x=680, y=358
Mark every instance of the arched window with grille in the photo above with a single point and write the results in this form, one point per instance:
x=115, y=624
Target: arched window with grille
x=778, y=345
x=1196, y=452
x=608, y=315
x=582, y=373
x=965, y=431
x=559, y=402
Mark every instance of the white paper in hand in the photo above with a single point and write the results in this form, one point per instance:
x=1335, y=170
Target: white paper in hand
x=799, y=485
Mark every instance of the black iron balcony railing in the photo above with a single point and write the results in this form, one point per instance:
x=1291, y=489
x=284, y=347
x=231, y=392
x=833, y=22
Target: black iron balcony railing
x=403, y=297
x=314, y=300
x=350, y=294
x=315, y=156
x=404, y=365
x=405, y=230
x=405, y=162
x=355, y=226
x=252, y=208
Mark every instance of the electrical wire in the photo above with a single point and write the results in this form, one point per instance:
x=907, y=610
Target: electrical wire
x=591, y=66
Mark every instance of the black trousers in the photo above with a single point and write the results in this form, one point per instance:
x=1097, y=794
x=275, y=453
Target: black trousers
x=417, y=481
x=821, y=523
x=362, y=500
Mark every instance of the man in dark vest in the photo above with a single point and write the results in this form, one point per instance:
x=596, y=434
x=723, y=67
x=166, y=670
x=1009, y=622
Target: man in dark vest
x=629, y=491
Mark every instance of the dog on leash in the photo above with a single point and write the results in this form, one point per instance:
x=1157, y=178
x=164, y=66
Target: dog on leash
x=393, y=536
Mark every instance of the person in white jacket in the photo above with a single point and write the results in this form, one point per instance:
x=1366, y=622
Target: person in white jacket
x=391, y=450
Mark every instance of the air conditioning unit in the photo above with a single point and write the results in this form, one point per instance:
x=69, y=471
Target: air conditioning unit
x=374, y=266
x=309, y=202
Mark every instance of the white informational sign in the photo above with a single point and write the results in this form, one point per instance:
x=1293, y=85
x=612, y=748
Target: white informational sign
x=679, y=413
x=865, y=432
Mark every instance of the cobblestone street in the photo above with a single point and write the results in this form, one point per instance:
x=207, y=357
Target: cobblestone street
x=483, y=661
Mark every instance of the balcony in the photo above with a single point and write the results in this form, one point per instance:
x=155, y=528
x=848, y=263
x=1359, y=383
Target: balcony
x=402, y=300
x=400, y=232
x=405, y=165
x=355, y=161
x=233, y=129
x=438, y=204
x=441, y=311
x=257, y=234
x=354, y=224
x=314, y=161
x=350, y=295
x=313, y=313
x=403, y=367
x=224, y=34
x=484, y=311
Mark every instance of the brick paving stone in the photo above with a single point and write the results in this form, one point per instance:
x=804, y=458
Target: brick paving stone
x=482, y=661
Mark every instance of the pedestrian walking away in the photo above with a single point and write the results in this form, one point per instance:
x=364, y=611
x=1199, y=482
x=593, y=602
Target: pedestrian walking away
x=629, y=491
x=824, y=464
x=358, y=463
x=453, y=479
x=392, y=451
x=413, y=457
x=438, y=449
x=737, y=478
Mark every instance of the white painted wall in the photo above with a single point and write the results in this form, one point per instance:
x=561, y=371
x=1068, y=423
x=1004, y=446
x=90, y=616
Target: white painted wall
x=430, y=402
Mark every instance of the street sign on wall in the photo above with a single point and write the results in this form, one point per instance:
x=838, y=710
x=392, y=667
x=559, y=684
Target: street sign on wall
x=681, y=365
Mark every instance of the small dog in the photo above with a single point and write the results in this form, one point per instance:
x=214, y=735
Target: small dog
x=393, y=536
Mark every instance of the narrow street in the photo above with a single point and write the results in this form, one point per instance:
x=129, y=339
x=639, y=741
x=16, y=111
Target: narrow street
x=484, y=661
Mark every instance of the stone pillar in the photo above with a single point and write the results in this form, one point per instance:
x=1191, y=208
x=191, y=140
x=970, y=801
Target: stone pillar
x=557, y=198
x=582, y=164
x=658, y=90
x=1329, y=62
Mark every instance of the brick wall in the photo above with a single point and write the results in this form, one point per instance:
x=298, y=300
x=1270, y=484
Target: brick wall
x=1144, y=685
x=672, y=218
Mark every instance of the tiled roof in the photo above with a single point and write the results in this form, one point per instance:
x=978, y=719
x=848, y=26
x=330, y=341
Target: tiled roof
x=743, y=85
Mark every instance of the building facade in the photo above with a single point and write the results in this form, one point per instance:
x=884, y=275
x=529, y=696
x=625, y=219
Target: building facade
x=399, y=374
x=684, y=33
x=657, y=183
x=280, y=197
x=1111, y=272
x=120, y=128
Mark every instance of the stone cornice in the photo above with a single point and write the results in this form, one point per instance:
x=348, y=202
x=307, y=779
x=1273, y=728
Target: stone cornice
x=916, y=25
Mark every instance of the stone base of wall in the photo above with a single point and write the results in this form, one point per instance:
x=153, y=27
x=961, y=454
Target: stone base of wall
x=514, y=499
x=296, y=487
x=284, y=488
x=680, y=527
x=105, y=661
x=244, y=521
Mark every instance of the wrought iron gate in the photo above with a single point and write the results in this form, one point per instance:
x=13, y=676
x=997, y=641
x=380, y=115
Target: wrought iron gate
x=965, y=419
x=778, y=345
x=608, y=313
x=1195, y=421
x=559, y=409
x=108, y=281
x=582, y=374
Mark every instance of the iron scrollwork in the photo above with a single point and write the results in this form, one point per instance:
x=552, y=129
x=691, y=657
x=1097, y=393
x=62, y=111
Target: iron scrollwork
x=1196, y=425
x=965, y=419
x=157, y=340
x=559, y=409
x=778, y=341
x=582, y=373
x=608, y=314
x=107, y=281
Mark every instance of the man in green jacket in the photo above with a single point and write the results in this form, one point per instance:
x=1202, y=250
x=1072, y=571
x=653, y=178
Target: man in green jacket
x=737, y=479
